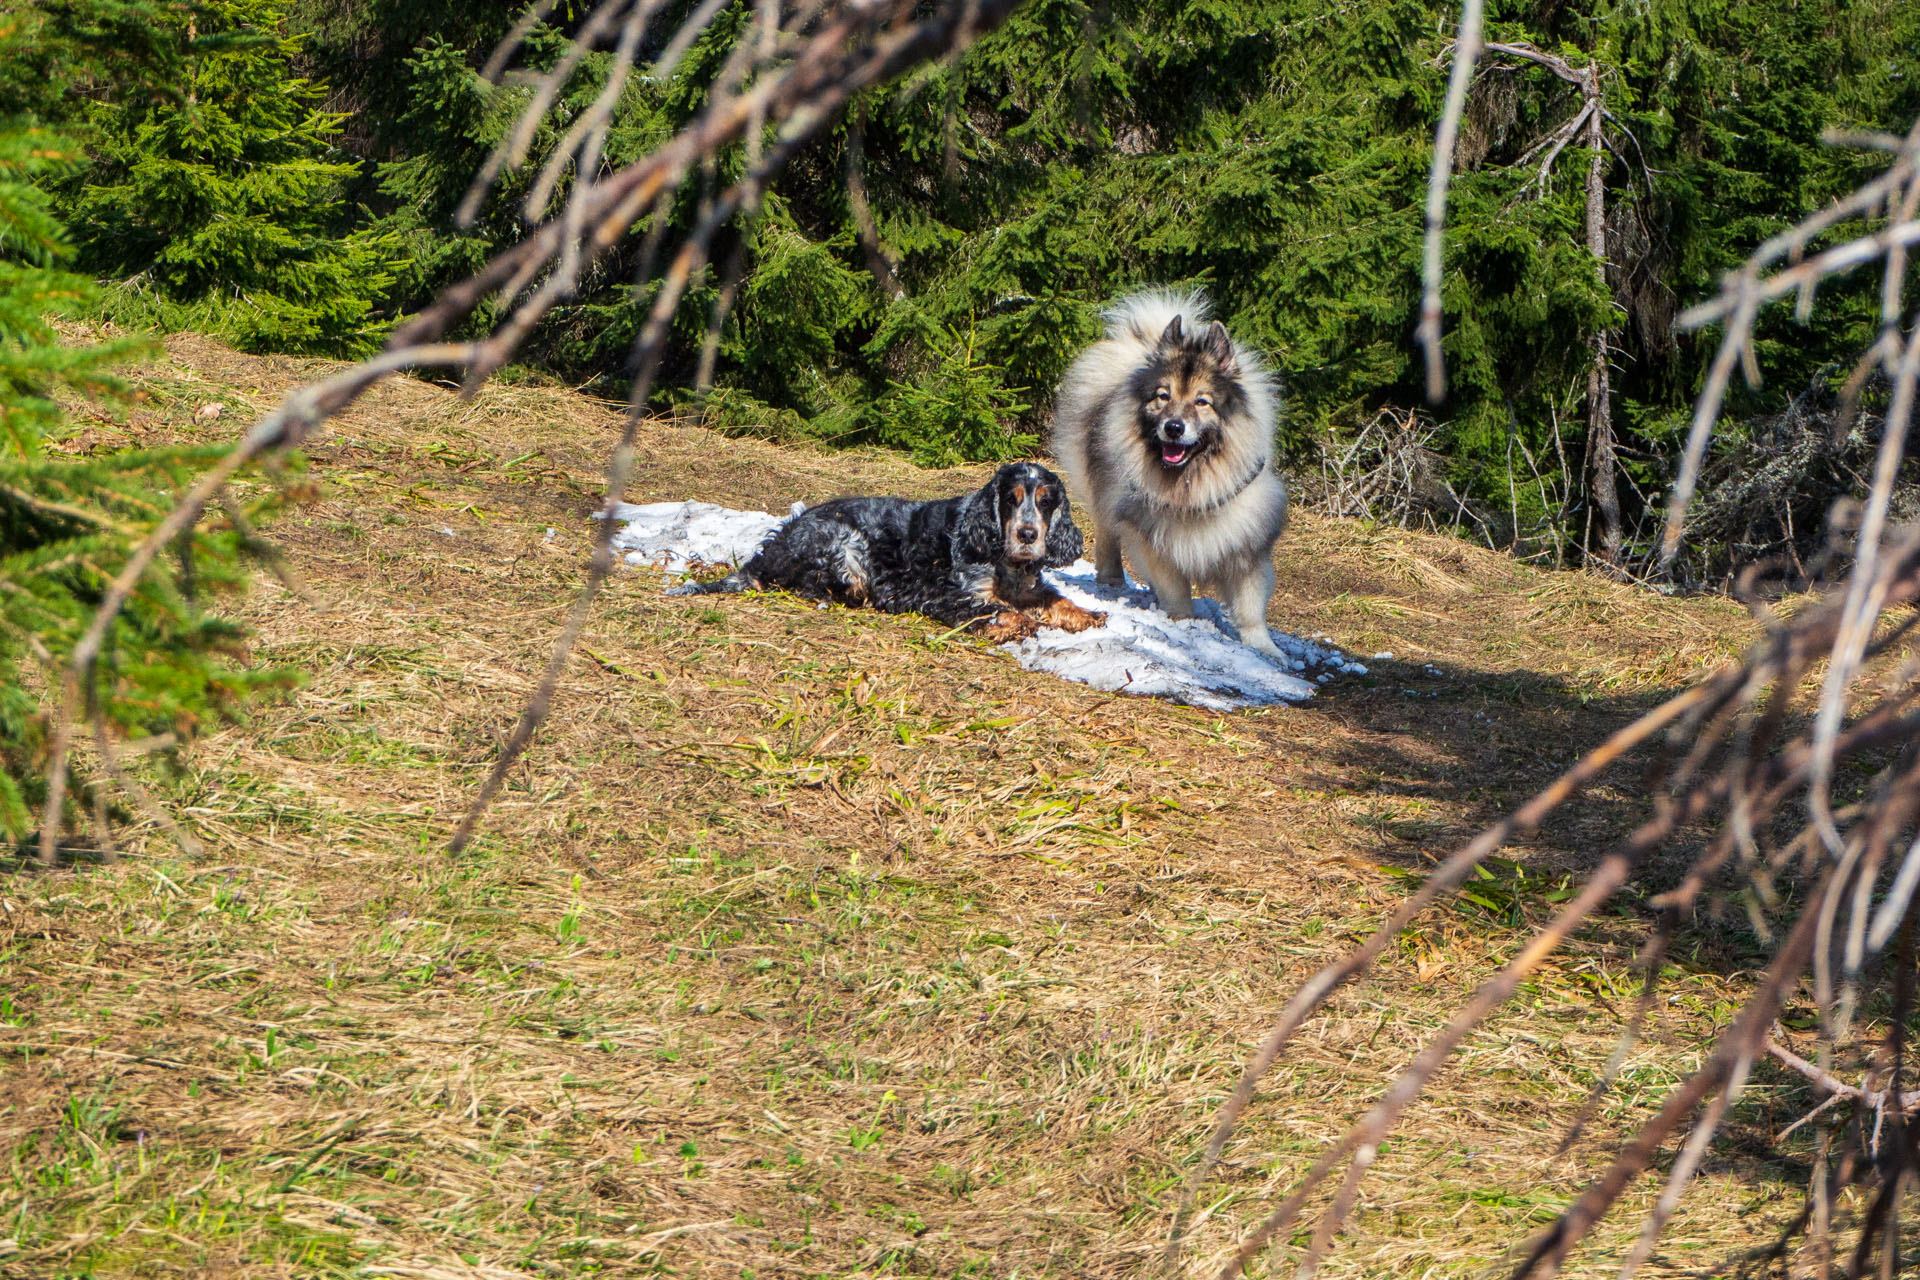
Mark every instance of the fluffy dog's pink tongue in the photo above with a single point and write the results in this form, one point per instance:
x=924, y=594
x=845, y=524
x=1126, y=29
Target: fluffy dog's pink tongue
x=1173, y=454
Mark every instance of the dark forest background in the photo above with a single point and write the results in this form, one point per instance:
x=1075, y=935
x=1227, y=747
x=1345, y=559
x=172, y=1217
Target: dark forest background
x=284, y=174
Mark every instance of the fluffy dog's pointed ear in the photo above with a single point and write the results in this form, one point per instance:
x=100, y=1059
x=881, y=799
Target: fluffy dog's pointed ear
x=979, y=538
x=1219, y=348
x=1064, y=543
x=1173, y=335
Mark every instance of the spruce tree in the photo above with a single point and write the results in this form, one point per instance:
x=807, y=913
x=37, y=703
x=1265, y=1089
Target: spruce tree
x=69, y=517
x=1275, y=151
x=219, y=194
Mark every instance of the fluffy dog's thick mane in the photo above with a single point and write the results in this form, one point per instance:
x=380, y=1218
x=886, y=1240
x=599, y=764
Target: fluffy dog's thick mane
x=1099, y=388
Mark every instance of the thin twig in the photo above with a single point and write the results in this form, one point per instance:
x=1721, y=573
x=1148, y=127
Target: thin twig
x=1466, y=49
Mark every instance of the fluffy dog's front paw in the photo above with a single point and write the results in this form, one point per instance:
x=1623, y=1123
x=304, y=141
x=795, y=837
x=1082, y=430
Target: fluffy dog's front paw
x=1262, y=640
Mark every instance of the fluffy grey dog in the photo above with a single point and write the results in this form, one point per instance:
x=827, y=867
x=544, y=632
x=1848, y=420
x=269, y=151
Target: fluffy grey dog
x=1164, y=431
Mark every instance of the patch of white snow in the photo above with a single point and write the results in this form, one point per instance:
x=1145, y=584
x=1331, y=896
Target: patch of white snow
x=674, y=535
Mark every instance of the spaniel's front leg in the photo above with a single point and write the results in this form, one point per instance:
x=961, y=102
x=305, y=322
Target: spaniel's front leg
x=1065, y=614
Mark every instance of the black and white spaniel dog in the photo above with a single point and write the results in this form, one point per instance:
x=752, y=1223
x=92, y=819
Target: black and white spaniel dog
x=971, y=561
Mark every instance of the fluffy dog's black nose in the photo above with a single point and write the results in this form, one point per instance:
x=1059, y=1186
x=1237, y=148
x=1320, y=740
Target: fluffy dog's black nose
x=1027, y=533
x=1172, y=429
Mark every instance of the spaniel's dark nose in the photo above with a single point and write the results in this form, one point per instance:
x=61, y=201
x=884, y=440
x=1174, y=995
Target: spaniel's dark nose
x=1172, y=429
x=1027, y=533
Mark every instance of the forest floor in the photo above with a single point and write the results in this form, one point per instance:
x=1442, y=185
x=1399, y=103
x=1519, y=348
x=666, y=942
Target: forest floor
x=808, y=942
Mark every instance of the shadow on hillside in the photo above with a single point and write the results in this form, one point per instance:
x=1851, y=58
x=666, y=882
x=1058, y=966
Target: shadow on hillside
x=1440, y=753
x=1431, y=755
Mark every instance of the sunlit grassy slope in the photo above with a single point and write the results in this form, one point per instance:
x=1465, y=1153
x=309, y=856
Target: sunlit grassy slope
x=806, y=942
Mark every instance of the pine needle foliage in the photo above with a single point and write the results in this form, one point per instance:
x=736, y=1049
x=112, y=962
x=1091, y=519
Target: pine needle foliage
x=69, y=517
x=1273, y=150
x=215, y=196
x=956, y=410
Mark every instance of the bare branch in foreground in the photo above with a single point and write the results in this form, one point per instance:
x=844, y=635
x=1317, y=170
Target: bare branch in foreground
x=1753, y=750
x=1745, y=290
x=1466, y=50
x=794, y=72
x=285, y=428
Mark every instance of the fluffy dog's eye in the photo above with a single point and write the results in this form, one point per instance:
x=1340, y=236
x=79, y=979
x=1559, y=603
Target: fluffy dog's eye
x=1203, y=401
x=1163, y=394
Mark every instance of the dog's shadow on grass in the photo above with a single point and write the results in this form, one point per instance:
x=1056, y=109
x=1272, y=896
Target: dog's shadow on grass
x=1428, y=755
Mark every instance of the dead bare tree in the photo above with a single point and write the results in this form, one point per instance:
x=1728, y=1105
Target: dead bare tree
x=1587, y=124
x=1602, y=465
x=781, y=84
x=1746, y=752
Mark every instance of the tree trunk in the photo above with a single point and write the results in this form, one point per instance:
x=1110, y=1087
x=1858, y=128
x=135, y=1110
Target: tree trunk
x=1603, y=466
x=1601, y=462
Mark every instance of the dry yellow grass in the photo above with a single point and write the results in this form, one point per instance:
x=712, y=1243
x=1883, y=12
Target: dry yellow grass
x=803, y=942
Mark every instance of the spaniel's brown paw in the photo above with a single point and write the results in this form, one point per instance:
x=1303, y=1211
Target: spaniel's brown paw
x=1068, y=616
x=1007, y=626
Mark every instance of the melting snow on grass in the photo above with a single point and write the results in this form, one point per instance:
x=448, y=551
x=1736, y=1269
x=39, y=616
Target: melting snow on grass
x=1140, y=650
x=676, y=535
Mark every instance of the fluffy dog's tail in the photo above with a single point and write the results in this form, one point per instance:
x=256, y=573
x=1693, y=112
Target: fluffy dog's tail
x=1144, y=316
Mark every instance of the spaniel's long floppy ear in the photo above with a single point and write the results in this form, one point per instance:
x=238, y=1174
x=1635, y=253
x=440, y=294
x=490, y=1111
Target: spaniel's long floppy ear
x=980, y=537
x=1064, y=543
